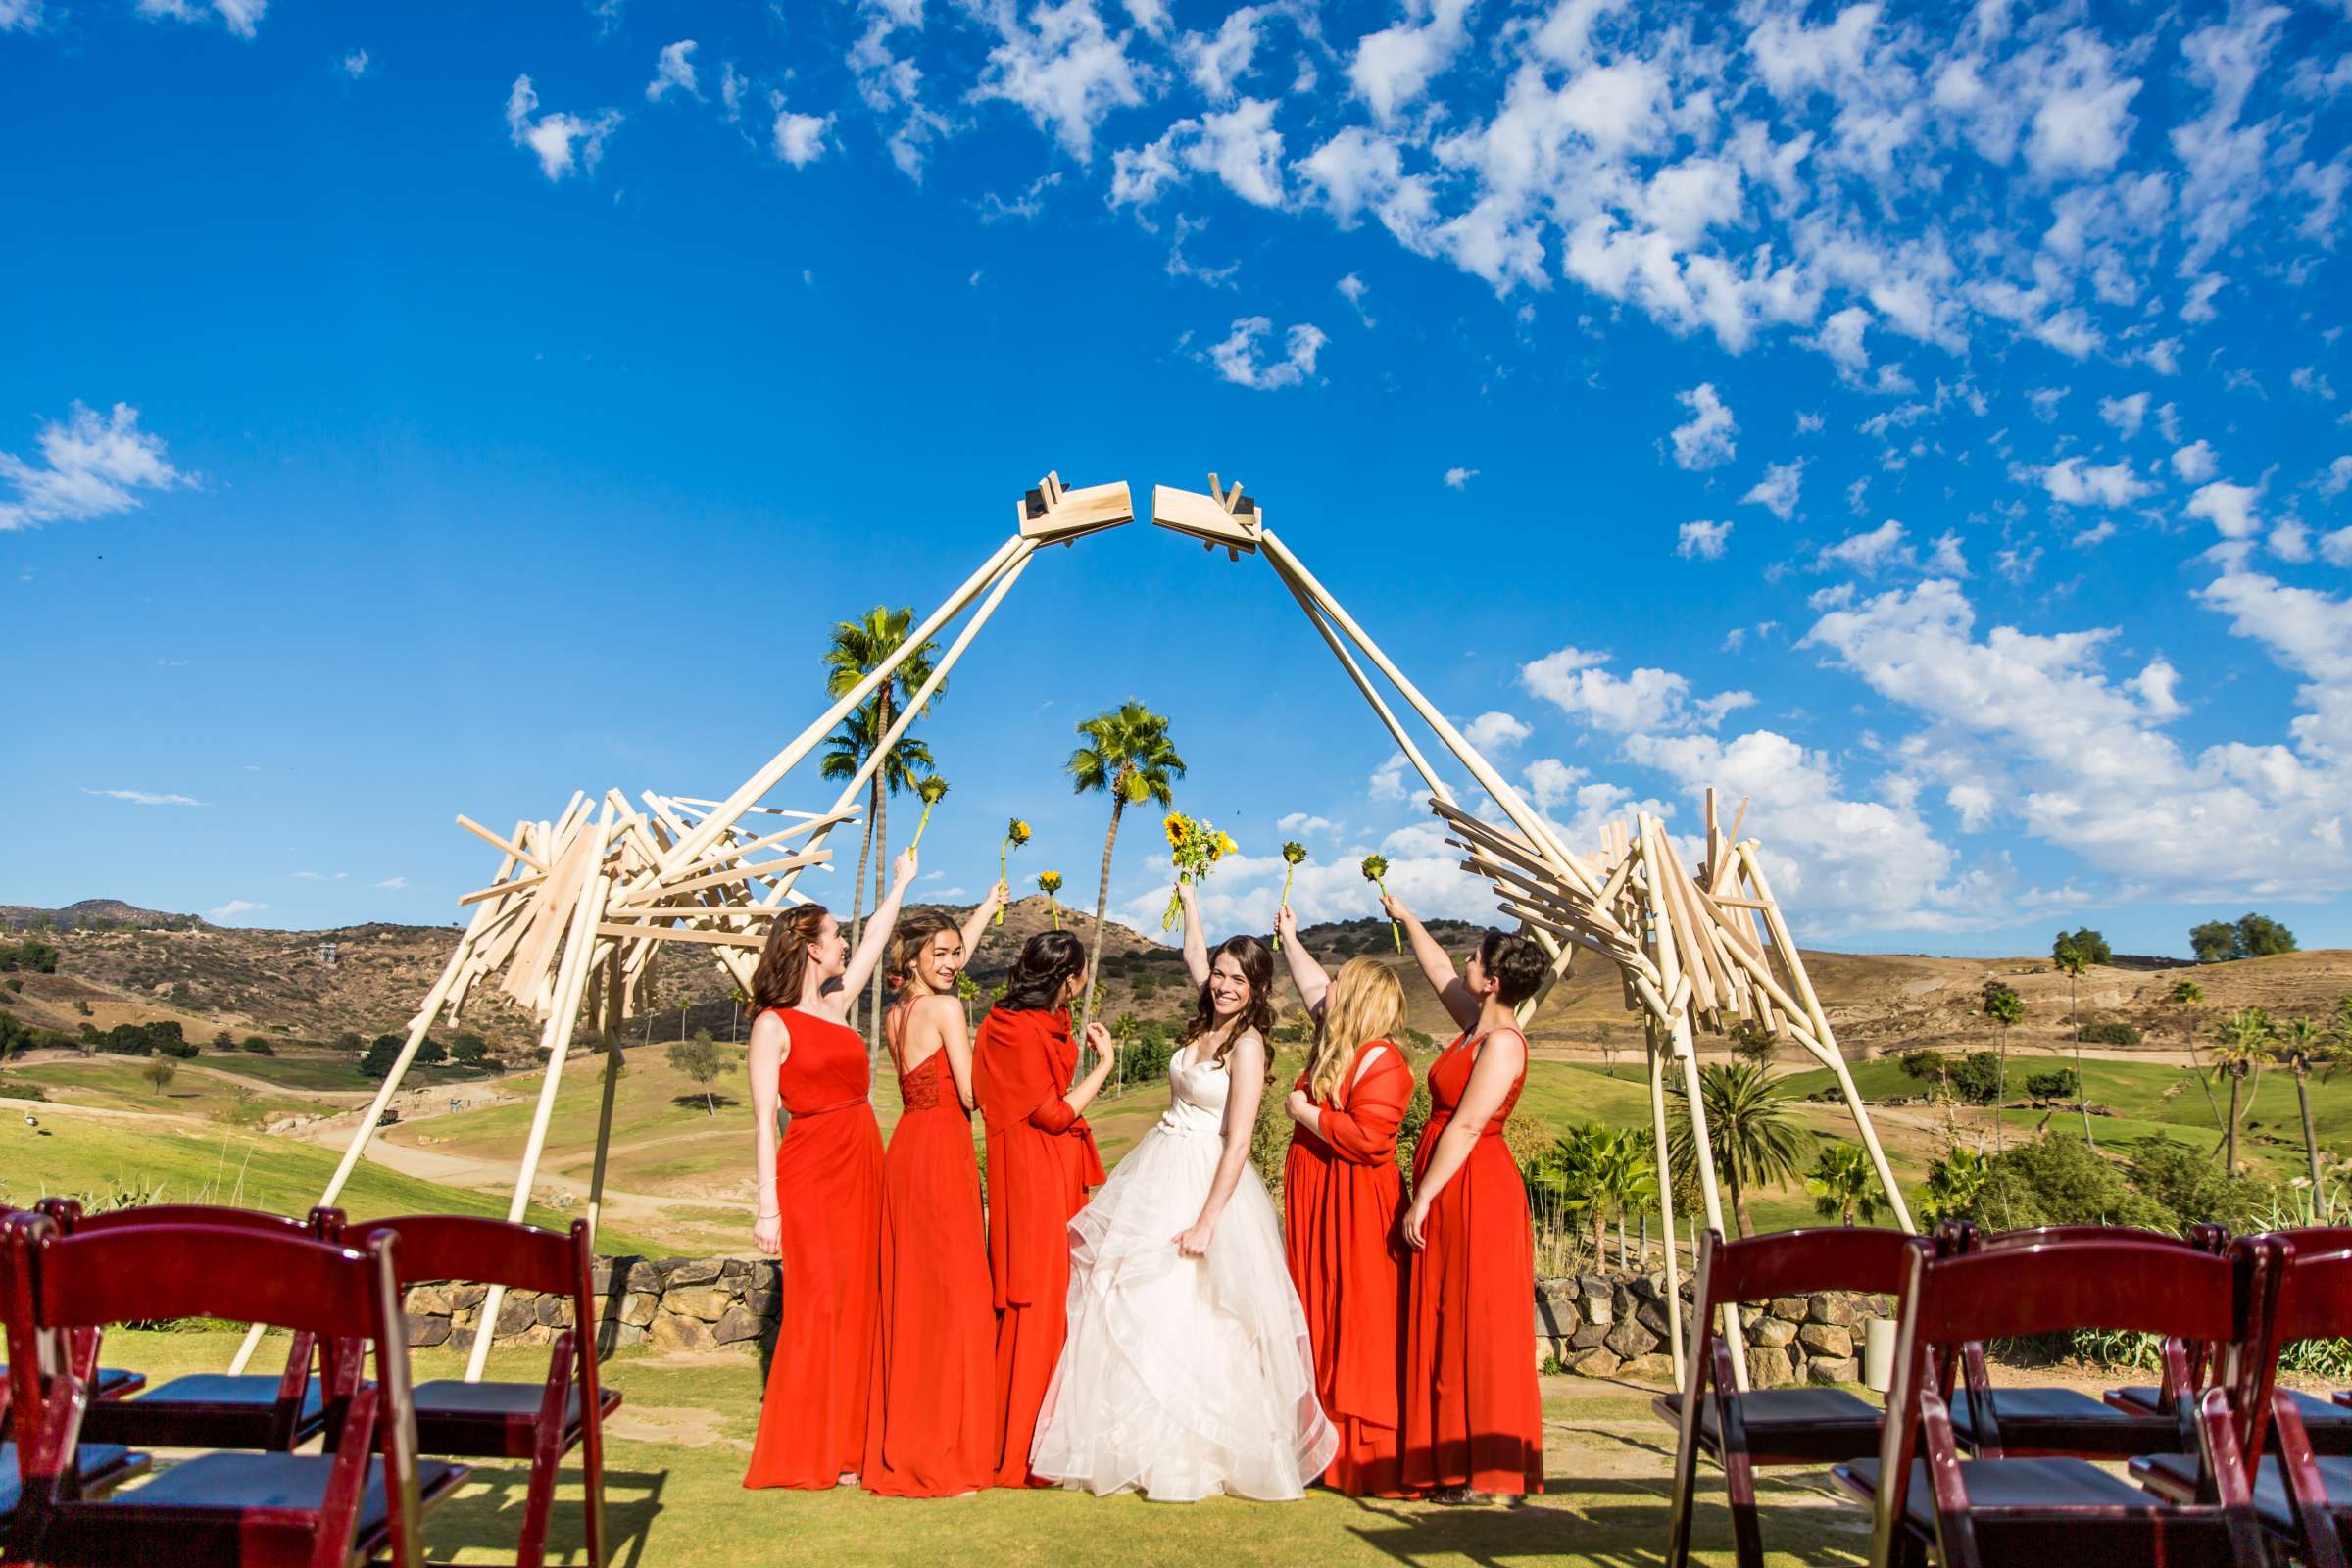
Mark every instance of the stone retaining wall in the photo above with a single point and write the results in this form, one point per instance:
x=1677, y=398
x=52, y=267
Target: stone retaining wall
x=1592, y=1325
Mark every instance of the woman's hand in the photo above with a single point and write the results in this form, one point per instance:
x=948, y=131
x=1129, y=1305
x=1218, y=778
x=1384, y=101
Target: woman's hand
x=1394, y=906
x=767, y=1234
x=1106, y=1044
x=1298, y=1107
x=1195, y=1242
x=1286, y=924
x=901, y=871
x=1417, y=1224
x=1184, y=891
x=999, y=896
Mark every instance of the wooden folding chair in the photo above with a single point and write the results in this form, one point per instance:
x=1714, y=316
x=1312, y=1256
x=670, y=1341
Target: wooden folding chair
x=543, y=1421
x=278, y=1411
x=343, y=1509
x=1927, y=1500
x=104, y=1382
x=98, y=1467
x=2302, y=1497
x=1744, y=1431
x=2054, y=1422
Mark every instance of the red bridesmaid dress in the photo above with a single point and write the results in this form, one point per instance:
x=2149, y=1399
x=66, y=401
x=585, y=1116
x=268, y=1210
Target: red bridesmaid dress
x=829, y=1185
x=931, y=1428
x=1473, y=1415
x=1040, y=1161
x=1343, y=1196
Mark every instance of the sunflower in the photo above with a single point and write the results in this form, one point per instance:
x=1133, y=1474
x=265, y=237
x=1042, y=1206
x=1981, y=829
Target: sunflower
x=1293, y=853
x=932, y=789
x=1049, y=883
x=1376, y=867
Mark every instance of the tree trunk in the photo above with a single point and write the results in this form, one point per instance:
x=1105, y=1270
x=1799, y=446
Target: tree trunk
x=1731, y=1179
x=1094, y=954
x=709, y=1109
x=2000, y=1094
x=1624, y=1258
x=865, y=853
x=873, y=1022
x=2311, y=1146
x=1600, y=1236
x=2073, y=1014
x=2083, y=1092
x=2229, y=1159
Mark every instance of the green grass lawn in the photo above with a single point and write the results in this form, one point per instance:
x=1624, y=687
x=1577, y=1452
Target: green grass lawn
x=113, y=1082
x=335, y=1072
x=678, y=1447
x=82, y=1157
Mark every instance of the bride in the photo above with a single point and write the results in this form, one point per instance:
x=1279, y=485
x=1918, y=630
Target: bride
x=1186, y=1371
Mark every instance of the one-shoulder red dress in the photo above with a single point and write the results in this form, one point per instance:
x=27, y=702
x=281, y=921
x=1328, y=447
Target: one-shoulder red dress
x=931, y=1430
x=829, y=1187
x=1040, y=1161
x=1343, y=1196
x=1473, y=1414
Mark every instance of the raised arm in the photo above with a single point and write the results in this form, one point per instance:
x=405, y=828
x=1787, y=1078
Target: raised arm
x=1245, y=1066
x=1502, y=1057
x=948, y=1015
x=878, y=927
x=770, y=1043
x=977, y=926
x=1196, y=941
x=1437, y=965
x=1305, y=973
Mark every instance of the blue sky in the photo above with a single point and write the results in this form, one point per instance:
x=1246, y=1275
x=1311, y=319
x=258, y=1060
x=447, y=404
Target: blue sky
x=1924, y=421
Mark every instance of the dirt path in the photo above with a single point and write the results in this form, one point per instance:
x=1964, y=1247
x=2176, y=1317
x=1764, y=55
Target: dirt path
x=625, y=1209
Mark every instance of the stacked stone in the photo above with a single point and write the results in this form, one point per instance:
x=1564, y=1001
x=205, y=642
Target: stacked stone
x=672, y=1304
x=1599, y=1325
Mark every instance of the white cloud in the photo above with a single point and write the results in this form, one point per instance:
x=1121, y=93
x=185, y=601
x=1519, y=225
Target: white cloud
x=800, y=139
x=19, y=14
x=2072, y=483
x=1065, y=70
x=1216, y=64
x=1495, y=730
x=1702, y=541
x=1388, y=781
x=1705, y=442
x=1354, y=289
x=1393, y=66
x=2230, y=508
x=355, y=63
x=675, y=71
x=2124, y=414
x=1305, y=822
x=1869, y=553
x=318, y=876
x=240, y=16
x=552, y=135
x=2337, y=480
x=393, y=884
x=1237, y=357
x=233, y=909
x=1572, y=680
x=143, y=796
x=89, y=467
x=1777, y=490
x=1459, y=478
x=2195, y=463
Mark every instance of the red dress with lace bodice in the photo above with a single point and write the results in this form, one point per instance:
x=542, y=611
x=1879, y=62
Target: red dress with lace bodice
x=1473, y=1414
x=829, y=1188
x=931, y=1430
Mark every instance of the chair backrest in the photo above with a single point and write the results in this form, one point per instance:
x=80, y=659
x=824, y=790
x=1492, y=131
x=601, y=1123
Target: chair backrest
x=523, y=1258
x=1798, y=1262
x=2210, y=1239
x=322, y=1223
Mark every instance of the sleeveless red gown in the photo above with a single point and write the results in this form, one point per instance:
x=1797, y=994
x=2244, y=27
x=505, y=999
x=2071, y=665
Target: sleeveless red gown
x=1343, y=1196
x=931, y=1428
x=1473, y=1414
x=1040, y=1161
x=829, y=1185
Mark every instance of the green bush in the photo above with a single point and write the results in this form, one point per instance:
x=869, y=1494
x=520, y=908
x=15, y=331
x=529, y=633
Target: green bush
x=2110, y=1034
x=37, y=956
x=257, y=1046
x=2058, y=1085
x=1975, y=1078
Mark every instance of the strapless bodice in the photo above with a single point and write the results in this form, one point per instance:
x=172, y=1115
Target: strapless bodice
x=1196, y=1097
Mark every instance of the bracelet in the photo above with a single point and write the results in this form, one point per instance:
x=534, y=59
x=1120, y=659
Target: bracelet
x=771, y=1213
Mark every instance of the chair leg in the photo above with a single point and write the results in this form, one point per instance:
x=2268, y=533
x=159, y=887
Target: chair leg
x=1740, y=1482
x=592, y=1488
x=539, y=1503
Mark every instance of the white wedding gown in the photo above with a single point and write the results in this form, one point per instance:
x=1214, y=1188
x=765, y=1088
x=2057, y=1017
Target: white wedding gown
x=1182, y=1377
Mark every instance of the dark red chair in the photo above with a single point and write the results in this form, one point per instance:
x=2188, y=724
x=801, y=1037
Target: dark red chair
x=1744, y=1431
x=104, y=1382
x=1924, y=1497
x=2302, y=1497
x=99, y=1467
x=362, y=1501
x=542, y=1421
x=2067, y=1423
x=279, y=1410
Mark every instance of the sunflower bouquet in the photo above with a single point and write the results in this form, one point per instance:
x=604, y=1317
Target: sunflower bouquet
x=932, y=789
x=1195, y=846
x=1293, y=853
x=1376, y=867
x=1049, y=883
x=1016, y=834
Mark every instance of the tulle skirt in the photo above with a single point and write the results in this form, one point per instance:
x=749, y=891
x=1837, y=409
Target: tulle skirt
x=1182, y=1378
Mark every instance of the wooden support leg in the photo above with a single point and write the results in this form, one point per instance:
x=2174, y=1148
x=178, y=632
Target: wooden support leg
x=1673, y=1272
x=603, y=1122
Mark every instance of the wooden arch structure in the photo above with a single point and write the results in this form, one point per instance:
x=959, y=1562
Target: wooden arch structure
x=580, y=903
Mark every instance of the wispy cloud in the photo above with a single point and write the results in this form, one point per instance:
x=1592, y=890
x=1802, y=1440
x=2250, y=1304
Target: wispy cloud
x=233, y=909
x=89, y=467
x=143, y=796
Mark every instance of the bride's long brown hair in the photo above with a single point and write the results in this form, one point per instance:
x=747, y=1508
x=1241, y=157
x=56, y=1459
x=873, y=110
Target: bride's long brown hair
x=1256, y=961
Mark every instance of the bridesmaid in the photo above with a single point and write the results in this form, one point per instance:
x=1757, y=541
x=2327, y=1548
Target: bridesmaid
x=930, y=1427
x=1040, y=1161
x=820, y=1190
x=1473, y=1417
x=1344, y=1196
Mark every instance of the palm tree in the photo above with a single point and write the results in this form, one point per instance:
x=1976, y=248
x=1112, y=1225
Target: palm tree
x=1608, y=1039
x=1127, y=756
x=2187, y=994
x=2074, y=961
x=2245, y=1041
x=2306, y=1043
x=1954, y=1183
x=1748, y=1122
x=856, y=650
x=2004, y=1006
x=1843, y=1185
x=1627, y=1179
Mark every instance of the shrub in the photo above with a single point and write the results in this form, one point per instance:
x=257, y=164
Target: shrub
x=2058, y=1085
x=37, y=956
x=468, y=1048
x=17, y=987
x=1974, y=1077
x=1148, y=1053
x=2110, y=1034
x=127, y=1040
x=257, y=1046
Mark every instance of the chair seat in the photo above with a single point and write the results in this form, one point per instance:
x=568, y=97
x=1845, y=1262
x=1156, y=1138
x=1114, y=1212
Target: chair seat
x=99, y=1467
x=113, y=1382
x=231, y=1508
x=2330, y=1424
x=2062, y=1421
x=204, y=1410
x=2176, y=1477
x=493, y=1420
x=1996, y=1483
x=1790, y=1426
